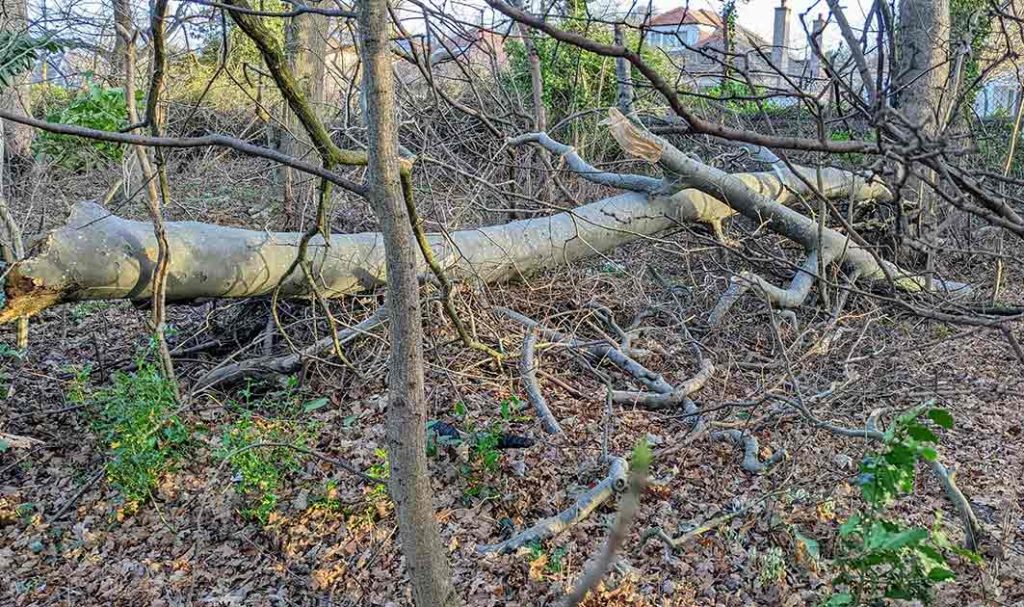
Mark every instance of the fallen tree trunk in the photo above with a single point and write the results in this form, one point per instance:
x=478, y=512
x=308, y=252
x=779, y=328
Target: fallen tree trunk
x=97, y=255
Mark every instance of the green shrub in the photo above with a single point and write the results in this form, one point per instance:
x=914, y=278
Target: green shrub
x=96, y=107
x=260, y=470
x=136, y=419
x=880, y=558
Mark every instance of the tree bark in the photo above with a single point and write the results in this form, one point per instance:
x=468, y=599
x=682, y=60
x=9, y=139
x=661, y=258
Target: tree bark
x=17, y=137
x=623, y=76
x=305, y=49
x=922, y=44
x=425, y=555
x=97, y=255
x=542, y=187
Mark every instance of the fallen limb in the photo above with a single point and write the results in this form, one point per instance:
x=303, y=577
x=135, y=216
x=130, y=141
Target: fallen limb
x=97, y=255
x=614, y=482
x=288, y=363
x=680, y=541
x=528, y=372
x=672, y=399
x=600, y=350
x=748, y=442
x=685, y=171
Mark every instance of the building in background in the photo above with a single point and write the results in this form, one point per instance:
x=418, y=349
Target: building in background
x=695, y=39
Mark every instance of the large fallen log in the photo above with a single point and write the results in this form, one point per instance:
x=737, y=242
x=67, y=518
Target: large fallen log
x=98, y=255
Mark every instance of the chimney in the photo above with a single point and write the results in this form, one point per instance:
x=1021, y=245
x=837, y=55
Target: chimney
x=780, y=37
x=813, y=62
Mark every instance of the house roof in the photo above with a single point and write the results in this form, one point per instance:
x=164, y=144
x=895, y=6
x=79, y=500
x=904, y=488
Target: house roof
x=687, y=16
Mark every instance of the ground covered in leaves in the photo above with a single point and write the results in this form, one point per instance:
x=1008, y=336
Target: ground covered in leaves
x=252, y=505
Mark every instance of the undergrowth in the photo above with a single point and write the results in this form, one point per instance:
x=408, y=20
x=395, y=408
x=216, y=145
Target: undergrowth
x=879, y=557
x=260, y=452
x=136, y=416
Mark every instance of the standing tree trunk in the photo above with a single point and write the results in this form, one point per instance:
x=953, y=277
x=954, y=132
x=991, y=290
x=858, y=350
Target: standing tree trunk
x=623, y=76
x=425, y=555
x=542, y=188
x=922, y=43
x=306, y=50
x=17, y=137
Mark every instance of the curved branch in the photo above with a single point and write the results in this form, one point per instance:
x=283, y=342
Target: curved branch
x=222, y=141
x=528, y=372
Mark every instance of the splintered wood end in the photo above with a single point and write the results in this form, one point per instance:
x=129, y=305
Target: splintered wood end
x=23, y=297
x=632, y=139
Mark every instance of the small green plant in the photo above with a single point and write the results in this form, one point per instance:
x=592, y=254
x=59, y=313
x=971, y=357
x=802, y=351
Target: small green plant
x=136, y=418
x=77, y=390
x=260, y=468
x=771, y=566
x=879, y=558
x=329, y=501
x=548, y=562
x=381, y=471
x=85, y=309
x=377, y=501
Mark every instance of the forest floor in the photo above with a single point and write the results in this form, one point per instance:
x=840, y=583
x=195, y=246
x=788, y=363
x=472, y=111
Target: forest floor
x=67, y=537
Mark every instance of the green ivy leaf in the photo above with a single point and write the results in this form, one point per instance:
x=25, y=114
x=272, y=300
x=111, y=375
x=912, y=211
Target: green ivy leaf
x=852, y=525
x=839, y=600
x=904, y=538
x=941, y=417
x=918, y=432
x=809, y=544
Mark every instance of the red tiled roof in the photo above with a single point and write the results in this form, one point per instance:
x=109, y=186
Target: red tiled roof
x=685, y=16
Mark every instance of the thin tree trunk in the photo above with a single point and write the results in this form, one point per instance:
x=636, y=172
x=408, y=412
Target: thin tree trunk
x=155, y=183
x=623, y=76
x=17, y=137
x=425, y=555
x=305, y=49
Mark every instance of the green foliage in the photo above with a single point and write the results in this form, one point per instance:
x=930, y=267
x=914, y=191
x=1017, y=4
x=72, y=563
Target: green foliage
x=771, y=566
x=18, y=53
x=260, y=469
x=740, y=98
x=480, y=446
x=192, y=74
x=550, y=562
x=136, y=417
x=96, y=107
x=575, y=79
x=485, y=446
x=880, y=558
x=46, y=98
